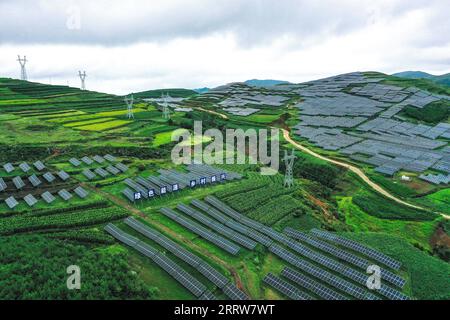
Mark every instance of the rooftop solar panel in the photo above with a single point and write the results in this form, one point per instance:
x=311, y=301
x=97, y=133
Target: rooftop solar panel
x=49, y=177
x=39, y=165
x=64, y=176
x=30, y=200
x=18, y=182
x=34, y=180
x=64, y=194
x=48, y=197
x=11, y=202
x=82, y=193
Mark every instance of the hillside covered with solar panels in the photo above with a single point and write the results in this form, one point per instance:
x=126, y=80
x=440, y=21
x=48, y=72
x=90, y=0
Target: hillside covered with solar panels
x=82, y=182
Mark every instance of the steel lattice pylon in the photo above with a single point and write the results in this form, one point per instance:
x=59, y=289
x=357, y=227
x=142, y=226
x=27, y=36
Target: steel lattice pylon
x=23, y=71
x=289, y=164
x=82, y=76
x=129, y=101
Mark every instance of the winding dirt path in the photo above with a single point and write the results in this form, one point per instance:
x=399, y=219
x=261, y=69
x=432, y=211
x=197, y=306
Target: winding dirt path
x=354, y=169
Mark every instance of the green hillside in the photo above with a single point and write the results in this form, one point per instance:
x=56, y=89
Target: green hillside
x=174, y=93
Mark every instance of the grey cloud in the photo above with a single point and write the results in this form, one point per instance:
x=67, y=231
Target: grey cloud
x=253, y=22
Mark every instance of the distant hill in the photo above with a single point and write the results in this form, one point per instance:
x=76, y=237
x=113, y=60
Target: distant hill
x=202, y=90
x=174, y=93
x=442, y=79
x=264, y=83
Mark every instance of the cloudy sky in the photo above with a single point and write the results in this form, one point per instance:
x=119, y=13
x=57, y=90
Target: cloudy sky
x=135, y=45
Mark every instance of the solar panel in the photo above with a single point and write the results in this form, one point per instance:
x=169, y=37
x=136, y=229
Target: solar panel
x=8, y=167
x=101, y=172
x=48, y=197
x=87, y=160
x=178, y=273
x=122, y=167
x=34, y=180
x=131, y=195
x=207, y=295
x=18, y=182
x=369, y=252
x=110, y=158
x=30, y=200
x=49, y=177
x=64, y=176
x=285, y=288
x=98, y=159
x=312, y=285
x=201, y=231
x=11, y=202
x=113, y=170
x=82, y=193
x=234, y=293
x=64, y=194
x=199, y=264
x=321, y=274
x=75, y=162
x=89, y=174
x=218, y=227
x=345, y=256
x=24, y=167
x=3, y=185
x=39, y=165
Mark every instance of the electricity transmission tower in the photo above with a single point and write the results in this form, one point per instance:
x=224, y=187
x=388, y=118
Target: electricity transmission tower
x=22, y=61
x=166, y=110
x=82, y=76
x=289, y=164
x=129, y=101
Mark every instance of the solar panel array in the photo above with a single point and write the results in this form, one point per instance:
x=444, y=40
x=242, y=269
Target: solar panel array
x=369, y=252
x=34, y=180
x=48, y=197
x=3, y=185
x=199, y=264
x=89, y=174
x=30, y=200
x=98, y=159
x=201, y=231
x=218, y=227
x=113, y=170
x=8, y=167
x=24, y=167
x=49, y=177
x=39, y=165
x=75, y=162
x=345, y=256
x=11, y=202
x=110, y=158
x=64, y=194
x=79, y=191
x=18, y=183
x=87, y=160
x=178, y=273
x=312, y=285
x=348, y=272
x=64, y=176
x=237, y=226
x=122, y=167
x=286, y=288
x=101, y=172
